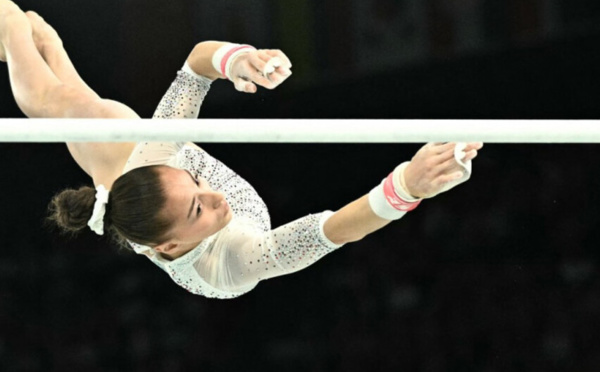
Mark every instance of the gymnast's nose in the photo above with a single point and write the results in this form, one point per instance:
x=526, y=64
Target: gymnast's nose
x=217, y=199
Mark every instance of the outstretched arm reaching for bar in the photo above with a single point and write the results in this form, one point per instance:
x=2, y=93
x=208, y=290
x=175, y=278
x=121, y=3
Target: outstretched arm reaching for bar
x=432, y=170
x=238, y=261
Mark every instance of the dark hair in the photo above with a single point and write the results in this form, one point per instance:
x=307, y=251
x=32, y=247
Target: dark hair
x=134, y=210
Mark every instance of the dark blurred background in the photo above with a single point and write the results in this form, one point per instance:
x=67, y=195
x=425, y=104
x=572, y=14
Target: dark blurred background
x=499, y=274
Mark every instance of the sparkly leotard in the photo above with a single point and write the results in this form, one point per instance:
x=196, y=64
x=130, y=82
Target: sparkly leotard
x=232, y=261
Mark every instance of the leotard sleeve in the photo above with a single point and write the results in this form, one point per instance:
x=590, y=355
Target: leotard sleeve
x=247, y=250
x=182, y=100
x=184, y=97
x=233, y=261
x=241, y=257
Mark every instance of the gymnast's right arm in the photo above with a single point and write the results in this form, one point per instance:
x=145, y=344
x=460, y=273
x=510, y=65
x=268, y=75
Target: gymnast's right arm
x=240, y=260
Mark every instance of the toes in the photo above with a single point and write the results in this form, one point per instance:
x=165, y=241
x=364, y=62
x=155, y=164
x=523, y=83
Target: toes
x=42, y=31
x=37, y=22
x=33, y=16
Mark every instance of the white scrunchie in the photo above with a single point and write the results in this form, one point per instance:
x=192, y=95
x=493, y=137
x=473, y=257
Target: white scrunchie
x=96, y=222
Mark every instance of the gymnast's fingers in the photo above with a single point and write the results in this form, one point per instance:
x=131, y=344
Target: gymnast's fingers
x=271, y=79
x=262, y=68
x=257, y=61
x=245, y=86
x=449, y=177
x=285, y=61
x=465, y=154
x=452, y=163
x=277, y=78
x=448, y=166
x=442, y=147
x=470, y=155
x=473, y=146
x=258, y=78
x=276, y=62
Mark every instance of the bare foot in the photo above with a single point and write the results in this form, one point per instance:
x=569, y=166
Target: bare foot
x=44, y=36
x=7, y=8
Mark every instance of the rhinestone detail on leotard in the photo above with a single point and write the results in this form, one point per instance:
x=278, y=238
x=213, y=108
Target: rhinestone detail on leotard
x=184, y=97
x=259, y=252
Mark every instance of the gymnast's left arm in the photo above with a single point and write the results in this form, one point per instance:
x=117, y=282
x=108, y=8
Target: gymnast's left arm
x=245, y=66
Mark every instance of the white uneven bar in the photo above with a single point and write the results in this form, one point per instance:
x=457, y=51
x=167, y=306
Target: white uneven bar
x=299, y=131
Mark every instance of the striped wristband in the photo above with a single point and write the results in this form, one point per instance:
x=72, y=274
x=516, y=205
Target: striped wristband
x=224, y=56
x=389, y=200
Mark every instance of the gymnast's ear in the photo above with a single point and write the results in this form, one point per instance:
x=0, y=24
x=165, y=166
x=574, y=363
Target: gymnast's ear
x=167, y=247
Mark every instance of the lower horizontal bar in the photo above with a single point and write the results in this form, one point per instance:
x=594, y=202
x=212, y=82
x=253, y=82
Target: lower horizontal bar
x=299, y=131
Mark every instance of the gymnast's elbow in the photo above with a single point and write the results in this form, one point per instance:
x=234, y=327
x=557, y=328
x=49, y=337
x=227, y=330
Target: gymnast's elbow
x=339, y=232
x=345, y=238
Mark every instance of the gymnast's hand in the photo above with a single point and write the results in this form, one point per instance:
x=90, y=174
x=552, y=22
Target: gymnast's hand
x=434, y=168
x=265, y=67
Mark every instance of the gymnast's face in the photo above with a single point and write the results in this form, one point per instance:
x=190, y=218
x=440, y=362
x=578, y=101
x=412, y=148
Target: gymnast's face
x=197, y=211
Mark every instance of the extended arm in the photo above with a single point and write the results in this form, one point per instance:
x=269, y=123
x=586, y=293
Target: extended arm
x=432, y=170
x=211, y=60
x=243, y=257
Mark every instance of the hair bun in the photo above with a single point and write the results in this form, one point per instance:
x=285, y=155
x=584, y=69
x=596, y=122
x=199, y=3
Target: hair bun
x=71, y=209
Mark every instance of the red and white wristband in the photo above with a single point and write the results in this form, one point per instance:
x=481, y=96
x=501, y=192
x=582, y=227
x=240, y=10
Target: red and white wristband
x=389, y=200
x=223, y=58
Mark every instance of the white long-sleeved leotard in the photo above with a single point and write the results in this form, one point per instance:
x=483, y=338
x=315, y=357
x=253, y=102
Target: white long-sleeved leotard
x=232, y=261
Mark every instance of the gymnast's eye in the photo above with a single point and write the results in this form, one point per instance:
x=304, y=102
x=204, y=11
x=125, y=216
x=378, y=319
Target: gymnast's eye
x=198, y=210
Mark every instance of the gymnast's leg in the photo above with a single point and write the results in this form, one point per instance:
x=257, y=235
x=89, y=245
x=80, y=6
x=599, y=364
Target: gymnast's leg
x=38, y=90
x=50, y=47
x=30, y=77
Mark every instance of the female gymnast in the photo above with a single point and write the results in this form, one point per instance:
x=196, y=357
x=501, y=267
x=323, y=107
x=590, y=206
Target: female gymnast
x=196, y=219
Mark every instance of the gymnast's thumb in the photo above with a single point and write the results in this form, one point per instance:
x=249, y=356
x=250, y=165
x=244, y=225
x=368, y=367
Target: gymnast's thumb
x=245, y=86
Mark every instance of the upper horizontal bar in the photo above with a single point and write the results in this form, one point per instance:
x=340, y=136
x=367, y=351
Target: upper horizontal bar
x=299, y=131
